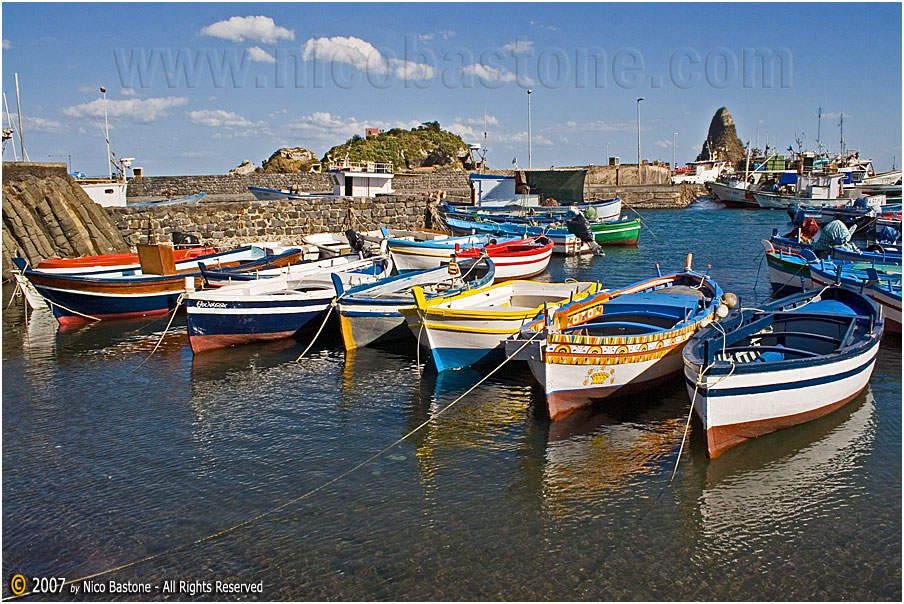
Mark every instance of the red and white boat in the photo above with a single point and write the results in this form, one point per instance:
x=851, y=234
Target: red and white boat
x=515, y=259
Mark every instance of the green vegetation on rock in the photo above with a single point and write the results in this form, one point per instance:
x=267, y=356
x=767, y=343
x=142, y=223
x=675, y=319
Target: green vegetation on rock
x=424, y=146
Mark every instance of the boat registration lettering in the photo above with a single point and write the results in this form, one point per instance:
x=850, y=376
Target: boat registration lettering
x=205, y=304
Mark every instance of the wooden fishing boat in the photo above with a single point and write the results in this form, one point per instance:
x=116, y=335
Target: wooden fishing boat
x=618, y=232
x=461, y=330
x=519, y=259
x=615, y=343
x=783, y=364
x=273, y=308
x=372, y=311
x=187, y=200
x=420, y=251
x=881, y=283
x=91, y=264
x=788, y=271
x=151, y=290
x=603, y=210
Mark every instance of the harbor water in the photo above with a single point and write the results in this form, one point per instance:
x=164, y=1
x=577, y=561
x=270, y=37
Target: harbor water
x=107, y=461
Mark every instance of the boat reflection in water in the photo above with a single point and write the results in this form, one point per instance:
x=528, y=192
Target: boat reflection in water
x=614, y=445
x=777, y=482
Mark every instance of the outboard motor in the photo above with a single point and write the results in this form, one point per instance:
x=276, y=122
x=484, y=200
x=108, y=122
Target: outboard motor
x=355, y=241
x=579, y=226
x=181, y=240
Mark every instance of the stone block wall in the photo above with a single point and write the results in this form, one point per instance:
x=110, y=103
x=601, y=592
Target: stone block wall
x=220, y=187
x=225, y=224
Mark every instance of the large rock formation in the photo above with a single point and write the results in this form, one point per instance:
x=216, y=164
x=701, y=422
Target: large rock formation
x=722, y=139
x=46, y=214
x=289, y=161
x=425, y=146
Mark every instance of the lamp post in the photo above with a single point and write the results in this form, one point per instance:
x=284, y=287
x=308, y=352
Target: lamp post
x=607, y=152
x=107, y=134
x=639, y=181
x=674, y=134
x=528, y=131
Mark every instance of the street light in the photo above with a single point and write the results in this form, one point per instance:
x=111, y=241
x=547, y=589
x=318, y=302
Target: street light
x=107, y=134
x=674, y=134
x=528, y=131
x=607, y=152
x=638, y=140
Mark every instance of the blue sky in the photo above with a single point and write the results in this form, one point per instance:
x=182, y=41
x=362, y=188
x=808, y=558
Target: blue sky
x=197, y=88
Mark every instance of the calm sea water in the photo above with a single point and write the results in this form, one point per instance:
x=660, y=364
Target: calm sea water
x=104, y=464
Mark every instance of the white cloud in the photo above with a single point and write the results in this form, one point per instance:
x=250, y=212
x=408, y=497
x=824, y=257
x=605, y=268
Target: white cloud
x=7, y=44
x=542, y=26
x=663, y=143
x=353, y=51
x=326, y=129
x=445, y=34
x=409, y=70
x=258, y=54
x=466, y=132
x=425, y=37
x=362, y=55
x=40, y=124
x=239, y=29
x=275, y=113
x=142, y=111
x=218, y=118
x=128, y=92
x=490, y=120
x=595, y=126
x=488, y=73
x=518, y=47
x=521, y=138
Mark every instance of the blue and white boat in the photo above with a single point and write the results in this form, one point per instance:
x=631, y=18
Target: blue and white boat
x=427, y=250
x=187, y=200
x=881, y=283
x=136, y=292
x=272, y=308
x=371, y=311
x=782, y=364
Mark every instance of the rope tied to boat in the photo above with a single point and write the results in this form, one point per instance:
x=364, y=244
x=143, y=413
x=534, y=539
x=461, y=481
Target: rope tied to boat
x=313, y=491
x=699, y=382
x=333, y=303
x=179, y=301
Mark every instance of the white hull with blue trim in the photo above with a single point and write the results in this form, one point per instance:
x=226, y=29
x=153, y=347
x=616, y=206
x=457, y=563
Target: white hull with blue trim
x=784, y=364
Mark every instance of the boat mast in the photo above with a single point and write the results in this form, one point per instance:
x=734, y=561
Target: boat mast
x=19, y=110
x=841, y=125
x=818, y=128
x=10, y=122
x=107, y=135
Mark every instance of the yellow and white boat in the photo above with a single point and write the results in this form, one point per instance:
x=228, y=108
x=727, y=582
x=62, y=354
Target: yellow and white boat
x=464, y=328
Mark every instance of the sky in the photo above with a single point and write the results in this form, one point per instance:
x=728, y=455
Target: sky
x=196, y=88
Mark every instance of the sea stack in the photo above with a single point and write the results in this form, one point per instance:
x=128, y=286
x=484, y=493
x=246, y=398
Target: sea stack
x=722, y=139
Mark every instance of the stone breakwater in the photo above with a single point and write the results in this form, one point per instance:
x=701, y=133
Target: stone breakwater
x=46, y=214
x=235, y=187
x=226, y=224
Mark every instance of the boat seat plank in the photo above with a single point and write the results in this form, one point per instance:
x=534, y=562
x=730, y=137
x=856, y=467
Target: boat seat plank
x=782, y=349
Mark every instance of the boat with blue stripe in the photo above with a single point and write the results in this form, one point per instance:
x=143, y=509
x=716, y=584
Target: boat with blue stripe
x=137, y=292
x=781, y=364
x=273, y=308
x=371, y=312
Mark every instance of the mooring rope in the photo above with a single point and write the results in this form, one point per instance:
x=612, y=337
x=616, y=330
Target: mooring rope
x=333, y=304
x=282, y=506
x=699, y=382
x=157, y=345
x=16, y=293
